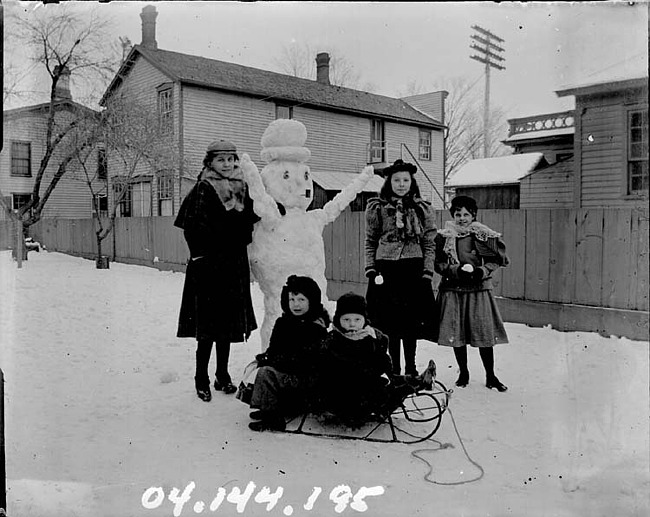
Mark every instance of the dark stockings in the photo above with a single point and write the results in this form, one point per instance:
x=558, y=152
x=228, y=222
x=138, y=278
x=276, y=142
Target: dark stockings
x=461, y=358
x=394, y=350
x=203, y=353
x=487, y=358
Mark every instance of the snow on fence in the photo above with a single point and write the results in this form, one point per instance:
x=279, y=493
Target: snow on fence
x=593, y=257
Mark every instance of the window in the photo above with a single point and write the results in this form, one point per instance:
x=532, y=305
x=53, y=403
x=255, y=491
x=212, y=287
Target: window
x=102, y=164
x=637, y=152
x=20, y=200
x=21, y=159
x=102, y=205
x=122, y=197
x=165, y=105
x=165, y=193
x=425, y=144
x=377, y=143
x=283, y=111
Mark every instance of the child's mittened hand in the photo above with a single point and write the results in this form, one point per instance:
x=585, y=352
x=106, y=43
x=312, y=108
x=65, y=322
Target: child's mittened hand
x=468, y=268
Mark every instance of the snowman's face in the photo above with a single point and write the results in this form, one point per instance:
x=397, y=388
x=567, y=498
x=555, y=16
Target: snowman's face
x=289, y=183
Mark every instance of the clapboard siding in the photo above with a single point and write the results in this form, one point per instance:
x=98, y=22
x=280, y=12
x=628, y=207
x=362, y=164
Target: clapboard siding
x=338, y=142
x=542, y=190
x=602, y=151
x=71, y=197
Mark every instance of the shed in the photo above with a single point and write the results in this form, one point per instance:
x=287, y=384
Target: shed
x=494, y=182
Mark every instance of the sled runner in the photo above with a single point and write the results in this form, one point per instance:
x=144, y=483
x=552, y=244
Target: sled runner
x=416, y=419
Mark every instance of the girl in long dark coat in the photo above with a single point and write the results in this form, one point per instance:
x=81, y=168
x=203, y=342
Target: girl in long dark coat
x=287, y=368
x=467, y=253
x=217, y=220
x=400, y=251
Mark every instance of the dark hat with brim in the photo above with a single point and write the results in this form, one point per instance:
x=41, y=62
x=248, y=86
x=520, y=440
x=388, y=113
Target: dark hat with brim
x=398, y=166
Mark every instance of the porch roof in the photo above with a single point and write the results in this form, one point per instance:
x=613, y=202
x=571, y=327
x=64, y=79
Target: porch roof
x=503, y=170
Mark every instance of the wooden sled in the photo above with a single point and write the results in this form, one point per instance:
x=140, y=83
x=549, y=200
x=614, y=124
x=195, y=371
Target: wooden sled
x=415, y=420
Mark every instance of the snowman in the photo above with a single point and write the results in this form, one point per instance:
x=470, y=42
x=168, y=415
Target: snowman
x=288, y=240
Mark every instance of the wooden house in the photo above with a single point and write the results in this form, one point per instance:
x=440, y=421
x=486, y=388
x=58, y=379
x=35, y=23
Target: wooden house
x=601, y=147
x=23, y=147
x=200, y=100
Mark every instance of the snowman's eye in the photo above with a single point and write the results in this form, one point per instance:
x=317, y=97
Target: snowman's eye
x=306, y=175
x=286, y=175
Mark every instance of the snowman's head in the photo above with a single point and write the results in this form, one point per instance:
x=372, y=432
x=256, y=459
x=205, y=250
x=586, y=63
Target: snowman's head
x=289, y=183
x=286, y=176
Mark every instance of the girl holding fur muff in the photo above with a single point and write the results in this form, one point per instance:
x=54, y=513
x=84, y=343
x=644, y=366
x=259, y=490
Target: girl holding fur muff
x=400, y=253
x=467, y=254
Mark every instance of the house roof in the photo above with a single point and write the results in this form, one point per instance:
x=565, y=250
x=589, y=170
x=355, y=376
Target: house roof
x=564, y=166
x=632, y=72
x=44, y=106
x=503, y=170
x=211, y=73
x=329, y=180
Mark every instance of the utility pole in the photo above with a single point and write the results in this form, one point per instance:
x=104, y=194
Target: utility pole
x=489, y=57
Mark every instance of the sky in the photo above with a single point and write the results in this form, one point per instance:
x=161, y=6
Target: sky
x=391, y=44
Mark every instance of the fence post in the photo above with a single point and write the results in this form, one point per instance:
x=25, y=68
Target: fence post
x=3, y=470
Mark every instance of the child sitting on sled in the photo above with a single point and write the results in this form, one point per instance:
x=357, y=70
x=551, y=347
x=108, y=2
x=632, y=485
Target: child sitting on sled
x=286, y=370
x=355, y=377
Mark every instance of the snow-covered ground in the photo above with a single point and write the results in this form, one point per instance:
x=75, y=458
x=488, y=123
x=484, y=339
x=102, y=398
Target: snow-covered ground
x=100, y=406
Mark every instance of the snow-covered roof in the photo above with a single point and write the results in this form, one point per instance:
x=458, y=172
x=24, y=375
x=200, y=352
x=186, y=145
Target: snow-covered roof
x=502, y=170
x=630, y=69
x=339, y=180
x=544, y=133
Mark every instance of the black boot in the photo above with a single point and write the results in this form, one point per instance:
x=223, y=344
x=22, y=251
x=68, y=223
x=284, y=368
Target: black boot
x=461, y=358
x=428, y=376
x=493, y=382
x=203, y=389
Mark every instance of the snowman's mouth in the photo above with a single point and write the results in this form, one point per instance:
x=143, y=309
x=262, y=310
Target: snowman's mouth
x=307, y=193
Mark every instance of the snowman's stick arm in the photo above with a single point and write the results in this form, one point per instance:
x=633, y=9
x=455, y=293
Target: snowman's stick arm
x=334, y=207
x=263, y=204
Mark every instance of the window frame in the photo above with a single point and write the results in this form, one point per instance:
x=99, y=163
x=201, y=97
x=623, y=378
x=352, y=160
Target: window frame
x=14, y=206
x=102, y=164
x=627, y=154
x=279, y=107
x=377, y=153
x=422, y=147
x=165, y=107
x=166, y=178
x=125, y=205
x=14, y=159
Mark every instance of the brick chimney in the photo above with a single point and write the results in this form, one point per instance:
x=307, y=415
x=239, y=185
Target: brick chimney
x=323, y=68
x=148, y=16
x=62, y=91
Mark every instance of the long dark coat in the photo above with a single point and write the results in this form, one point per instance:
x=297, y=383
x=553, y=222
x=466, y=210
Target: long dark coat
x=216, y=302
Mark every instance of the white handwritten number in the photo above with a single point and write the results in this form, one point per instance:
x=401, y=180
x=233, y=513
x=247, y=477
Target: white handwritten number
x=240, y=499
x=148, y=493
x=340, y=495
x=265, y=496
x=358, y=503
x=312, y=498
x=179, y=501
x=216, y=502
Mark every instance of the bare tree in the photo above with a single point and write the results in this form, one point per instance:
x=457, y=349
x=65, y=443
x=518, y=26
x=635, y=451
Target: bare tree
x=134, y=140
x=300, y=61
x=66, y=43
x=464, y=119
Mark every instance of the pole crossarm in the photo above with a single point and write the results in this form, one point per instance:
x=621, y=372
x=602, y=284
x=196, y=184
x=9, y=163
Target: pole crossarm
x=487, y=33
x=487, y=42
x=487, y=53
x=490, y=63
